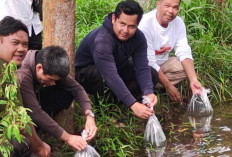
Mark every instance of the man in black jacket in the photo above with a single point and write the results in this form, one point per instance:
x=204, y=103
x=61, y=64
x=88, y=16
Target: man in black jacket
x=117, y=53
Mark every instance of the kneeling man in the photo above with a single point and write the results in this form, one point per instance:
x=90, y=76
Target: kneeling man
x=47, y=88
x=116, y=52
x=165, y=31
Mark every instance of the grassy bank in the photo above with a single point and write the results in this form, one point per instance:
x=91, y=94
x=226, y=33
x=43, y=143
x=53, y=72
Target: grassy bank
x=209, y=31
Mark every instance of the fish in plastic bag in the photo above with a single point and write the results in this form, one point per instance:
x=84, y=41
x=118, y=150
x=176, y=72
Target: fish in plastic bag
x=153, y=133
x=89, y=151
x=200, y=105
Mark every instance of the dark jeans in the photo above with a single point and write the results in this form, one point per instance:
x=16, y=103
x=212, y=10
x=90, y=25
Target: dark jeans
x=92, y=81
x=35, y=41
x=155, y=76
x=53, y=99
x=20, y=149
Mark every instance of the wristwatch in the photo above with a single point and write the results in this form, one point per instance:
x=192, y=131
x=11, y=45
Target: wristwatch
x=90, y=114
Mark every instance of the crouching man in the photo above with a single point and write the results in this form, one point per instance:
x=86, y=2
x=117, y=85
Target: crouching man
x=47, y=88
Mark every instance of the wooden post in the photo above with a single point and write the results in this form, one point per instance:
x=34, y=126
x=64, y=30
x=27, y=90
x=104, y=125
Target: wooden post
x=59, y=26
x=59, y=29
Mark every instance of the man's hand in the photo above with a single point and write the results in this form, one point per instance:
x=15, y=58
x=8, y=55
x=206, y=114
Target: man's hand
x=196, y=86
x=173, y=93
x=141, y=110
x=153, y=100
x=90, y=127
x=44, y=150
x=171, y=90
x=37, y=146
x=75, y=141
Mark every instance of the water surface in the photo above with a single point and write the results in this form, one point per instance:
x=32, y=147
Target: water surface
x=187, y=136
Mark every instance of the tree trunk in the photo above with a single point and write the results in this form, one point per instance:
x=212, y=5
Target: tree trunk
x=59, y=29
x=59, y=26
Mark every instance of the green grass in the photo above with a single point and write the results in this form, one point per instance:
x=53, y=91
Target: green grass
x=90, y=14
x=209, y=29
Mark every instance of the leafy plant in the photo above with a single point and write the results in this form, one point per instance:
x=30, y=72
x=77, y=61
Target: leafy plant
x=13, y=115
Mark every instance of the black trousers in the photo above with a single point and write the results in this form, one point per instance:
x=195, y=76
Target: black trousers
x=92, y=81
x=53, y=99
x=35, y=41
x=20, y=149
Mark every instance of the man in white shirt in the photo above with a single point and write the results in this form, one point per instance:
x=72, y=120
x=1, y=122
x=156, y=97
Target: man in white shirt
x=165, y=31
x=23, y=11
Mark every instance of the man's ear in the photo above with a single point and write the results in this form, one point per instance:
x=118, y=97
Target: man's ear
x=113, y=18
x=157, y=3
x=38, y=67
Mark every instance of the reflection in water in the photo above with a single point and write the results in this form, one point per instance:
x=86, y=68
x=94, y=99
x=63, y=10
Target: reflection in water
x=158, y=152
x=201, y=125
x=204, y=136
x=201, y=128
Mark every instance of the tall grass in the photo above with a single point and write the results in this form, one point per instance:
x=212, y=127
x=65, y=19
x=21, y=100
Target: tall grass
x=209, y=29
x=90, y=14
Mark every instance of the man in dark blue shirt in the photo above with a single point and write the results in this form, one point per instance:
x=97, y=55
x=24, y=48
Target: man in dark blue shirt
x=105, y=53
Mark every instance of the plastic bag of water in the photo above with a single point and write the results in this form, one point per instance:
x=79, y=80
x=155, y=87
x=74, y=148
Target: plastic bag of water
x=153, y=133
x=200, y=105
x=89, y=151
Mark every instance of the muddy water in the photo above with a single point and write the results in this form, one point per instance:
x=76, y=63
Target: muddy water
x=198, y=137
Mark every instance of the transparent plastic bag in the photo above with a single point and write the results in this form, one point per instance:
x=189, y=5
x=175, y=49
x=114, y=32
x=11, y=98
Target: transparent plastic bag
x=153, y=133
x=89, y=151
x=200, y=105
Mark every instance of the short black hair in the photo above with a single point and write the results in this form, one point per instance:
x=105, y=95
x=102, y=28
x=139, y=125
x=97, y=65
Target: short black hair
x=162, y=0
x=129, y=7
x=10, y=25
x=54, y=60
